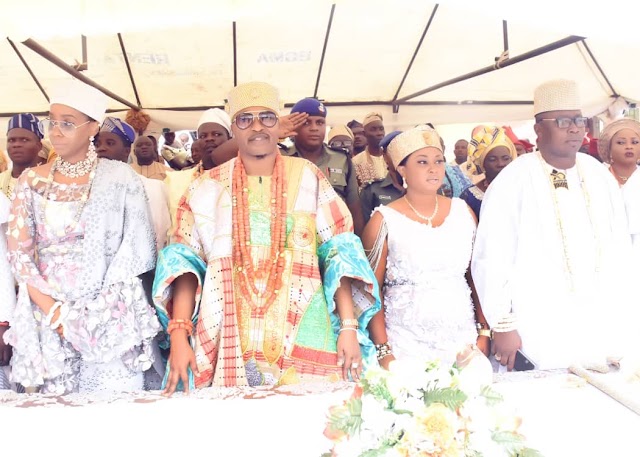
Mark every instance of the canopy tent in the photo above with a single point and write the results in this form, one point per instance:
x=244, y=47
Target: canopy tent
x=412, y=61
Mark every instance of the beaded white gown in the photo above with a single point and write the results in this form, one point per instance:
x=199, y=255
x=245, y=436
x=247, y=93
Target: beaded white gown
x=428, y=309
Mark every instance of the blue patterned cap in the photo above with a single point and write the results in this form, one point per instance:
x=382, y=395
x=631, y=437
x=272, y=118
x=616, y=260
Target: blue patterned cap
x=25, y=121
x=311, y=106
x=120, y=128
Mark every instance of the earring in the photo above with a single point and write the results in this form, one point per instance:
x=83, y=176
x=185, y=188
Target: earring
x=91, y=153
x=404, y=183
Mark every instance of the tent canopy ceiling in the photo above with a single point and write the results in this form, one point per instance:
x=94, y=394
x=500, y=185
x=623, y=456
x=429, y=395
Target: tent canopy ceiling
x=413, y=61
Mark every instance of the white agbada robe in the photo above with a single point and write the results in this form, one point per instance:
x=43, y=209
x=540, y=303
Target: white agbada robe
x=571, y=299
x=159, y=206
x=631, y=194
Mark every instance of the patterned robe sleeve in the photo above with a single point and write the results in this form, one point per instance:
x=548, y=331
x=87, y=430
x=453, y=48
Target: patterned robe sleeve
x=184, y=254
x=341, y=255
x=21, y=236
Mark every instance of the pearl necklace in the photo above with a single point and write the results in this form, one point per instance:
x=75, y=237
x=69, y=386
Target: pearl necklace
x=429, y=219
x=83, y=198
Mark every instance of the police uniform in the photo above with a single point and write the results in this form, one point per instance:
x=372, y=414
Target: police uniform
x=336, y=165
x=380, y=192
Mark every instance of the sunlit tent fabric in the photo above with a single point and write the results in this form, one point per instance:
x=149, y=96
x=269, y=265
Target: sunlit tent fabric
x=399, y=58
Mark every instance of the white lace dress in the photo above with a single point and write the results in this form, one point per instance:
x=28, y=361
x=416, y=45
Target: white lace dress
x=428, y=309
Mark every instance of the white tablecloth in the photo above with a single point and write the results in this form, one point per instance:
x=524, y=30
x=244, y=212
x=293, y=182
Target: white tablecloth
x=561, y=417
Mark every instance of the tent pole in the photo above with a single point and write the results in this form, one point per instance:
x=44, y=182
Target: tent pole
x=376, y=103
x=39, y=49
x=26, y=65
x=324, y=50
x=614, y=93
x=235, y=56
x=415, y=53
x=514, y=60
x=126, y=62
x=505, y=36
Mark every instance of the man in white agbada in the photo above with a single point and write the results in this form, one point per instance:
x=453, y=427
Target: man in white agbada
x=550, y=262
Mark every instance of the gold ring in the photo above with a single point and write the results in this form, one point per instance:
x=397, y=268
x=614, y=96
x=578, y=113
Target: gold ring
x=497, y=356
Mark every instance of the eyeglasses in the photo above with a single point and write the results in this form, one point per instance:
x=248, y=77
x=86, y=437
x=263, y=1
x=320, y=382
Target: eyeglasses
x=341, y=144
x=67, y=128
x=246, y=118
x=565, y=122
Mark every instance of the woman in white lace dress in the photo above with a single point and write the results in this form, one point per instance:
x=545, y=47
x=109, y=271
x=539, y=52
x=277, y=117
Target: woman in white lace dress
x=420, y=249
x=80, y=234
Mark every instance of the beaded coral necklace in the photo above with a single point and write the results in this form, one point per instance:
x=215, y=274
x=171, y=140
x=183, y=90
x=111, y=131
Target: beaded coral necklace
x=271, y=270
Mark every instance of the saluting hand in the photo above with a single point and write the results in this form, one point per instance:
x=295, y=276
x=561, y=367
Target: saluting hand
x=290, y=123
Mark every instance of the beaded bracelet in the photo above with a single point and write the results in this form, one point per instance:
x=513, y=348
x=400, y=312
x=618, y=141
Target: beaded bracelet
x=175, y=324
x=349, y=323
x=355, y=329
x=383, y=350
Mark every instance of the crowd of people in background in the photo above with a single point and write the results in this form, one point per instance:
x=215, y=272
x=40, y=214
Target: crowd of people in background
x=271, y=249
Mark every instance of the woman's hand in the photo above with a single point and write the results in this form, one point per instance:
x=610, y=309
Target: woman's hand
x=181, y=357
x=484, y=344
x=349, y=356
x=386, y=360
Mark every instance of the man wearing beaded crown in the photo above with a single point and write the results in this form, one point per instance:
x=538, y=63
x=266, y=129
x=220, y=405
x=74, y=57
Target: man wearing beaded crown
x=264, y=266
x=550, y=257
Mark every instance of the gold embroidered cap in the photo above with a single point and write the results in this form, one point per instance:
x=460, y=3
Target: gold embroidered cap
x=371, y=117
x=82, y=97
x=410, y=141
x=339, y=130
x=556, y=95
x=252, y=94
x=604, y=142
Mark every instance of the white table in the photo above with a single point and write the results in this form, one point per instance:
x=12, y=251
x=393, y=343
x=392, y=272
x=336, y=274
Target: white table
x=561, y=417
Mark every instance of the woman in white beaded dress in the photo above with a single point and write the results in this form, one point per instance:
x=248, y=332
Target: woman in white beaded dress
x=420, y=248
x=79, y=236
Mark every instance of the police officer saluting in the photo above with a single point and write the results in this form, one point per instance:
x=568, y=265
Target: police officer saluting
x=334, y=163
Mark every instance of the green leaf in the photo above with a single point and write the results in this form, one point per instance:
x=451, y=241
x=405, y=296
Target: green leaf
x=379, y=390
x=528, y=452
x=347, y=418
x=379, y=452
x=491, y=396
x=512, y=442
x=451, y=398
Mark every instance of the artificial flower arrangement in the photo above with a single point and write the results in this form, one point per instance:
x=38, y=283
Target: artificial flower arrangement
x=427, y=411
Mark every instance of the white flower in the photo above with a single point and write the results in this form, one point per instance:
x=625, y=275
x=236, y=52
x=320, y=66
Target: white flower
x=376, y=416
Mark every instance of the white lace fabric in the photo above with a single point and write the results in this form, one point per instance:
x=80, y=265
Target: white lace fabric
x=428, y=309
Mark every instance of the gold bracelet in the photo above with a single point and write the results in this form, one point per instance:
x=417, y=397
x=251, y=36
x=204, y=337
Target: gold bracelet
x=484, y=332
x=349, y=322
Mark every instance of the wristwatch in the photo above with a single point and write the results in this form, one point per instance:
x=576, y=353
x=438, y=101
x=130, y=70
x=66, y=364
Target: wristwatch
x=483, y=329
